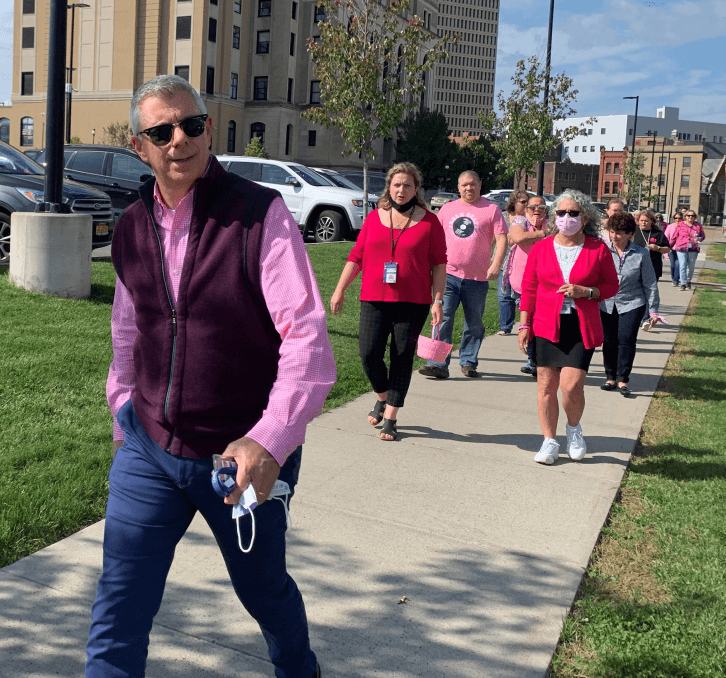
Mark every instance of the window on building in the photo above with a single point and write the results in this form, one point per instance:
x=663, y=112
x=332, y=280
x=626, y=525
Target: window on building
x=231, y=136
x=238, y=6
x=587, y=177
x=210, y=80
x=264, y=8
x=260, y=93
x=290, y=89
x=288, y=139
x=616, y=168
x=319, y=14
x=28, y=37
x=292, y=44
x=315, y=91
x=685, y=180
x=567, y=150
x=592, y=149
x=559, y=176
x=312, y=137
x=213, y=2
x=212, y=29
x=602, y=130
x=294, y=11
x=233, y=84
x=26, y=131
x=589, y=131
x=577, y=149
x=257, y=129
x=235, y=37
x=5, y=130
x=684, y=201
x=688, y=137
x=662, y=161
x=608, y=168
x=607, y=187
x=26, y=84
x=183, y=27
x=661, y=180
x=29, y=8
x=687, y=161
x=263, y=42
x=182, y=72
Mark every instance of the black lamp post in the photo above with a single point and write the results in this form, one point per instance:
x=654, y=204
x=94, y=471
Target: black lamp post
x=540, y=165
x=635, y=130
x=69, y=79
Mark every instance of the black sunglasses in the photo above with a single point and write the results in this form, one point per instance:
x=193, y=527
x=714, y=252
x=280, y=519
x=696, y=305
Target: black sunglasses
x=572, y=213
x=538, y=208
x=690, y=215
x=160, y=135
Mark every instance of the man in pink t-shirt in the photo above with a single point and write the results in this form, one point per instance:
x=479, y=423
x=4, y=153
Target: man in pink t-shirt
x=471, y=224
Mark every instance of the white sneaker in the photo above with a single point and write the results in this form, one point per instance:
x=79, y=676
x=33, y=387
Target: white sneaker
x=576, y=446
x=548, y=453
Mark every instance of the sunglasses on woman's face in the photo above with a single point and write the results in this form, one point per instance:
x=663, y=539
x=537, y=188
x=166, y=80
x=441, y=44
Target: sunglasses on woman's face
x=160, y=135
x=571, y=213
x=538, y=208
x=690, y=215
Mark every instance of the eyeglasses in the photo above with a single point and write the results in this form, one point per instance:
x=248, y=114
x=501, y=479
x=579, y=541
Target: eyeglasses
x=538, y=208
x=160, y=135
x=522, y=202
x=690, y=215
x=572, y=213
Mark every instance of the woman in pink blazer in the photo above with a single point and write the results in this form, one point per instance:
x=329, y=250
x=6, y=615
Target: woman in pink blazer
x=566, y=277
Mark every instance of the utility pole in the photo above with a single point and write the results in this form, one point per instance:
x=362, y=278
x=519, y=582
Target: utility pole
x=548, y=61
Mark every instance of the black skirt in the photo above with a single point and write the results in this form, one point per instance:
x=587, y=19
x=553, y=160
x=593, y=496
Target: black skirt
x=569, y=351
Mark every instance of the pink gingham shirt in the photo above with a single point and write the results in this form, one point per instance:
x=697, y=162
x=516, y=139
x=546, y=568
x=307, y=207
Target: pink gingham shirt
x=306, y=371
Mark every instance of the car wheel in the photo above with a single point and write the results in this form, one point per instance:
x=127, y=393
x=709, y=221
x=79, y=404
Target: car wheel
x=4, y=238
x=328, y=226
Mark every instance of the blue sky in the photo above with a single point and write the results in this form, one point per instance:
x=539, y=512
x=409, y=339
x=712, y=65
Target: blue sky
x=668, y=53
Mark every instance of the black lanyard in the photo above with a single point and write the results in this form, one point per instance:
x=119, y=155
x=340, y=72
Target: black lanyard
x=622, y=258
x=393, y=244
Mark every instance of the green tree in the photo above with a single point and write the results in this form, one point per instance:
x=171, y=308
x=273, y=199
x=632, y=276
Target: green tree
x=524, y=132
x=75, y=140
x=256, y=149
x=638, y=187
x=118, y=134
x=370, y=62
x=423, y=139
x=478, y=154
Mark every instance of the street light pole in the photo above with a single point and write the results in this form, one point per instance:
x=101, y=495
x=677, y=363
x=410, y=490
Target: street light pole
x=652, y=157
x=635, y=131
x=69, y=80
x=540, y=166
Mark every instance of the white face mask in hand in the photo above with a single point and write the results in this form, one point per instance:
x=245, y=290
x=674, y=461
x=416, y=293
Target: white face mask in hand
x=248, y=502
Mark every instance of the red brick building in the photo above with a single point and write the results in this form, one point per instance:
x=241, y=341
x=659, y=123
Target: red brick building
x=612, y=166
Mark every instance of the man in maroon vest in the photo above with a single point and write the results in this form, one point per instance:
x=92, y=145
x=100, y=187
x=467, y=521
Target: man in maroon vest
x=220, y=347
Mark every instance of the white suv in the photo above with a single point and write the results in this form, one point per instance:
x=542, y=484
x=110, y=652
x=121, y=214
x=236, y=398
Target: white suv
x=329, y=212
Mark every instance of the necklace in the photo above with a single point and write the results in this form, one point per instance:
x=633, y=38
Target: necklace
x=402, y=225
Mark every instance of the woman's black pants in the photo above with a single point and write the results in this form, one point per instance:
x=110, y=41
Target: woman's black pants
x=618, y=349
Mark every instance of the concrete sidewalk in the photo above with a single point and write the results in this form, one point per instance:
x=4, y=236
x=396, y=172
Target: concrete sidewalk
x=487, y=546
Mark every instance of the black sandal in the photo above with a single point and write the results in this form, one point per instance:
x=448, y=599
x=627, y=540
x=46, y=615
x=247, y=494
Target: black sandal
x=608, y=386
x=389, y=428
x=377, y=412
x=625, y=391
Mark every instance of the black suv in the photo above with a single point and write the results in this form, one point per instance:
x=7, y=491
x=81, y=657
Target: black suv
x=115, y=170
x=22, y=183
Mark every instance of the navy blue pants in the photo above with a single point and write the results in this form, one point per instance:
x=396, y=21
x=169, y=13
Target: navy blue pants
x=153, y=497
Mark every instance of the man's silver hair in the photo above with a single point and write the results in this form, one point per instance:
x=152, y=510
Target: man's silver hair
x=160, y=86
x=592, y=227
x=469, y=173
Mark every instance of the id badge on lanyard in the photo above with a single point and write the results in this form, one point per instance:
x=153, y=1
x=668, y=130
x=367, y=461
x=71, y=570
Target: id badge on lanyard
x=390, y=270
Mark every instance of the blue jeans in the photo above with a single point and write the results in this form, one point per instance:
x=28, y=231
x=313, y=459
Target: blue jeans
x=673, y=258
x=686, y=264
x=506, y=298
x=472, y=294
x=153, y=497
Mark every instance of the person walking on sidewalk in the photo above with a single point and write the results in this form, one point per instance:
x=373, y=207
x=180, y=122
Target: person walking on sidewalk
x=401, y=250
x=685, y=240
x=523, y=233
x=650, y=237
x=219, y=347
x=622, y=313
x=565, y=278
x=470, y=225
x=506, y=299
x=673, y=256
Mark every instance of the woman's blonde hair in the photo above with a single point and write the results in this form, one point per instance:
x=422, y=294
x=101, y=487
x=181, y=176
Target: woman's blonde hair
x=649, y=214
x=403, y=168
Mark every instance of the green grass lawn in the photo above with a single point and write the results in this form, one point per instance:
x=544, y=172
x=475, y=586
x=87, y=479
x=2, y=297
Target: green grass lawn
x=653, y=601
x=55, y=448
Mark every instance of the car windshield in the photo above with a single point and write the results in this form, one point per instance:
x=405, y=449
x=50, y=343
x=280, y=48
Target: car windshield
x=310, y=176
x=14, y=162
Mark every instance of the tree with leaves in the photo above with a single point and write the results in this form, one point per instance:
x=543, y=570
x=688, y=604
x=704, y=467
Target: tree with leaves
x=118, y=134
x=523, y=132
x=256, y=149
x=370, y=61
x=637, y=186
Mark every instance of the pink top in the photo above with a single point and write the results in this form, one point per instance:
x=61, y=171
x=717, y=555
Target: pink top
x=518, y=253
x=470, y=231
x=685, y=237
x=306, y=370
x=594, y=267
x=417, y=250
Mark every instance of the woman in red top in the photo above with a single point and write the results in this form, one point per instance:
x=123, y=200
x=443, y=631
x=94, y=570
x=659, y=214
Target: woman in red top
x=565, y=279
x=401, y=250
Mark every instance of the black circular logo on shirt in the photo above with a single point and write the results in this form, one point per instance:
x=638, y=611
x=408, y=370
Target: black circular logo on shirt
x=463, y=227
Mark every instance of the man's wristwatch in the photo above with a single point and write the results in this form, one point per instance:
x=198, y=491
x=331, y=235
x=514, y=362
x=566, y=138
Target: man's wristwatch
x=439, y=301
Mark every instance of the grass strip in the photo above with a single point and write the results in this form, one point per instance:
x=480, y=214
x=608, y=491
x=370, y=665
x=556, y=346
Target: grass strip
x=652, y=602
x=56, y=426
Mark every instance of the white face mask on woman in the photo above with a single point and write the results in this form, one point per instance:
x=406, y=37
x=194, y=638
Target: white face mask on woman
x=568, y=225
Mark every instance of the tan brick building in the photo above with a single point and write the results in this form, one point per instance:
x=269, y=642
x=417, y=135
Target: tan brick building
x=246, y=57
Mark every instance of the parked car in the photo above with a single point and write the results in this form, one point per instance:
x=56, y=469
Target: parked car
x=22, y=183
x=376, y=180
x=33, y=153
x=115, y=170
x=440, y=199
x=327, y=211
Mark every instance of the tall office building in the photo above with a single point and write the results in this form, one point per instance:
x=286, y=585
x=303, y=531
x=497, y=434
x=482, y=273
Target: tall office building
x=464, y=83
x=247, y=58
